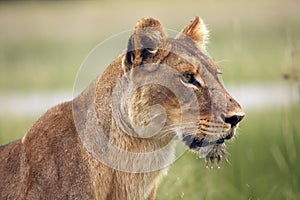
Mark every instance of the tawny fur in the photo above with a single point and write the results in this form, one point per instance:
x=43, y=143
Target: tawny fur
x=52, y=162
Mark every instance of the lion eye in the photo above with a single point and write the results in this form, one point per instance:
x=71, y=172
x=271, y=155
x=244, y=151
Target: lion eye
x=189, y=78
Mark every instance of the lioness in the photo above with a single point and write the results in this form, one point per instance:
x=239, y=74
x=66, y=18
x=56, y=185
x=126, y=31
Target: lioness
x=116, y=138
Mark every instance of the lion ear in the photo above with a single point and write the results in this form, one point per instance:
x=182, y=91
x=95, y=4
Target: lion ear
x=144, y=43
x=197, y=31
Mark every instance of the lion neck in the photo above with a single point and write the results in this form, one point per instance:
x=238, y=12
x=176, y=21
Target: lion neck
x=95, y=108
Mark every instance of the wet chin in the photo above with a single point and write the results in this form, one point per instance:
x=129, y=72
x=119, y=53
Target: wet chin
x=213, y=152
x=210, y=147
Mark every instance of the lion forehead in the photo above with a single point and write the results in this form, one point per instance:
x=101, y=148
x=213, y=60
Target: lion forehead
x=187, y=56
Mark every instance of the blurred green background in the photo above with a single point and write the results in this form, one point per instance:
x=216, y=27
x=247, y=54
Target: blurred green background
x=43, y=43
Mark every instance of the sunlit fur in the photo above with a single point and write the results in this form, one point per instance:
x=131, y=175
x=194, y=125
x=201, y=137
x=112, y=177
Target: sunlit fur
x=58, y=157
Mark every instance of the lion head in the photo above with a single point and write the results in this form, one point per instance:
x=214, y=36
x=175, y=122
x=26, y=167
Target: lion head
x=175, y=90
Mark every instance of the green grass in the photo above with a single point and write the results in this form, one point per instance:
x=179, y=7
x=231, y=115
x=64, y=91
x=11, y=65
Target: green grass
x=263, y=164
x=263, y=161
x=14, y=128
x=254, y=53
x=40, y=65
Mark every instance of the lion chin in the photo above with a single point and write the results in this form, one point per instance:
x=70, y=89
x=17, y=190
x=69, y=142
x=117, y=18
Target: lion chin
x=209, y=147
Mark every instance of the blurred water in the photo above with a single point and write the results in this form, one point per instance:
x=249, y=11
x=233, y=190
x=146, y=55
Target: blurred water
x=31, y=103
x=251, y=96
x=258, y=96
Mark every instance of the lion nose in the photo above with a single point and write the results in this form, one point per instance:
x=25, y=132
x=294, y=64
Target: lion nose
x=233, y=120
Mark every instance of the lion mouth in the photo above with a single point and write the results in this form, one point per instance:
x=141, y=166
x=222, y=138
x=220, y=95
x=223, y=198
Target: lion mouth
x=194, y=142
x=209, y=147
